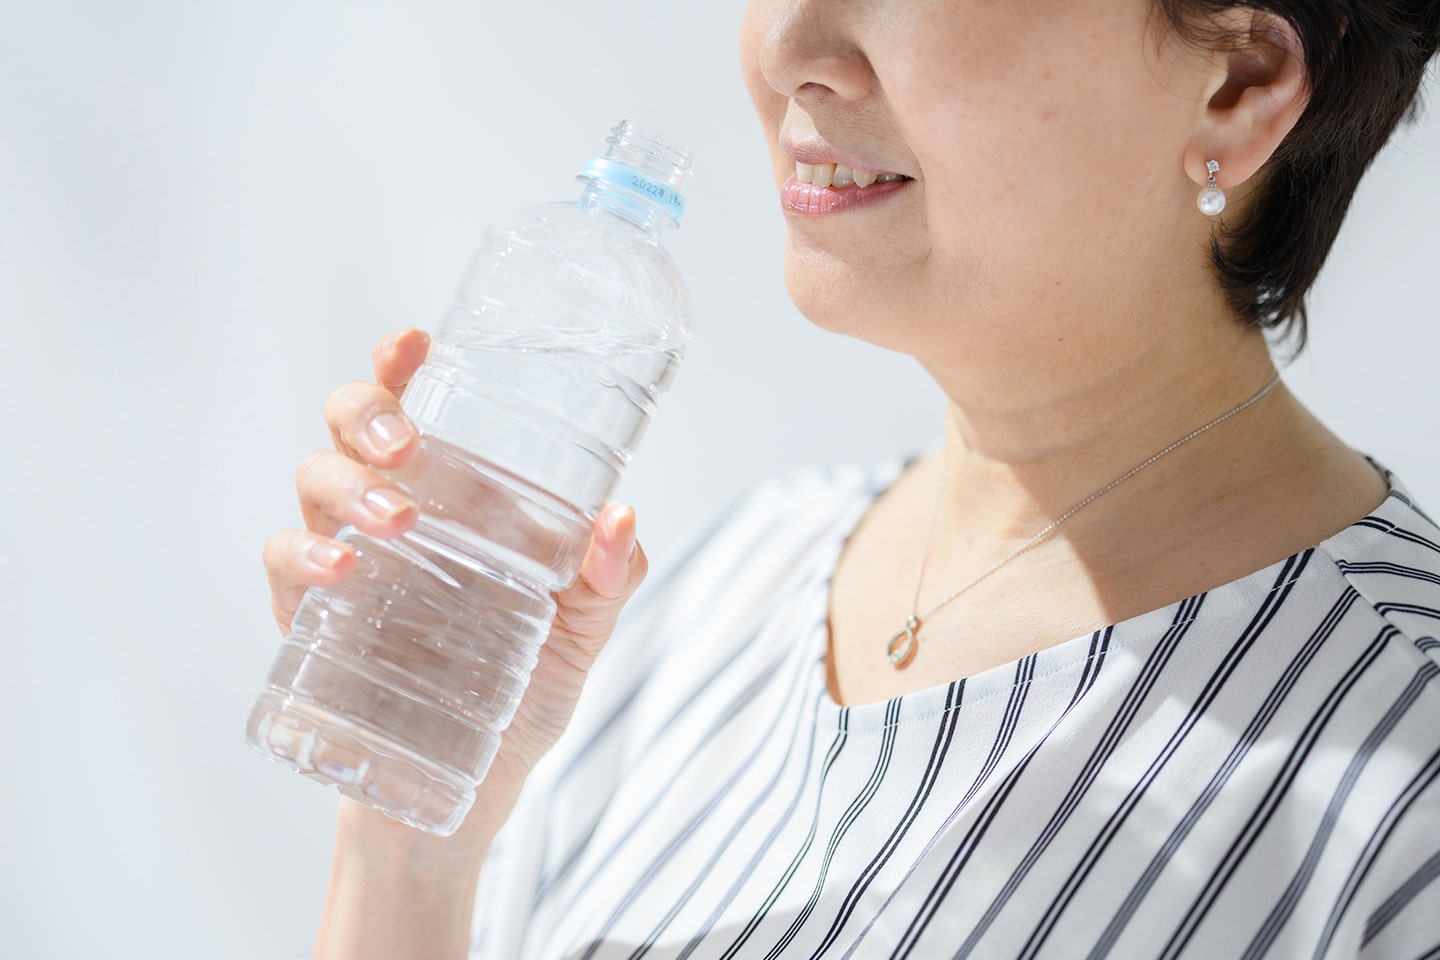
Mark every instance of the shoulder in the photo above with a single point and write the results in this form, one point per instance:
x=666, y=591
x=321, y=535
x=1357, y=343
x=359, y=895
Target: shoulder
x=1390, y=559
x=1374, y=603
x=1386, y=567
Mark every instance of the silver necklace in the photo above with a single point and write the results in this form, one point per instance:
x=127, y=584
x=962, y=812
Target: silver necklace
x=901, y=648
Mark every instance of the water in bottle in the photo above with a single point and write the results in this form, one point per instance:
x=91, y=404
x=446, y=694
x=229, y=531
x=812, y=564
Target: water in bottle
x=396, y=685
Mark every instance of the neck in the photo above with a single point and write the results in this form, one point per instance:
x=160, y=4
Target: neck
x=1024, y=449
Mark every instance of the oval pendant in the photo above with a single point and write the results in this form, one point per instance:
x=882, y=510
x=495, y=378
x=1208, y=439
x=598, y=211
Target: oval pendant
x=901, y=648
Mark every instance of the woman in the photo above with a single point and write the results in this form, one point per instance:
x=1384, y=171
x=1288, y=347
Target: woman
x=1137, y=664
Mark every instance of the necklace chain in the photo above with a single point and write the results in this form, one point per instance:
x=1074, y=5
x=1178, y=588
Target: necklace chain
x=901, y=648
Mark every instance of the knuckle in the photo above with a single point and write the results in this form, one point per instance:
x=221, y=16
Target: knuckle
x=283, y=614
x=282, y=554
x=586, y=623
x=339, y=398
x=595, y=597
x=345, y=400
x=270, y=553
x=309, y=465
x=590, y=608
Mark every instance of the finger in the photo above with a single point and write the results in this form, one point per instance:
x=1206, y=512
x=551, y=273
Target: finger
x=367, y=424
x=612, y=570
x=610, y=564
x=295, y=561
x=398, y=356
x=335, y=490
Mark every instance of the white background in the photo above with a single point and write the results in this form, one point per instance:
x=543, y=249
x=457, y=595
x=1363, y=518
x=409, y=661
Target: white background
x=209, y=211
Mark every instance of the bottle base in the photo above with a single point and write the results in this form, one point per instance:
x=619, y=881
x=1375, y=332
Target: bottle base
x=361, y=763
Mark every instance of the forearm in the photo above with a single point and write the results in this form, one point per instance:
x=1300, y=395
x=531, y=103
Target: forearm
x=396, y=892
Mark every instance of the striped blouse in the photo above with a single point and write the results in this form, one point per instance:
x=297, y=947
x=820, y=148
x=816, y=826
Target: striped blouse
x=1251, y=772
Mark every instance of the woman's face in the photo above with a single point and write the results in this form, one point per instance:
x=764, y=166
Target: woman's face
x=1045, y=142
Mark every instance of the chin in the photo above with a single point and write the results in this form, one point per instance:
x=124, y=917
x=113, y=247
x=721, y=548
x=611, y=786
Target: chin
x=831, y=297
x=884, y=306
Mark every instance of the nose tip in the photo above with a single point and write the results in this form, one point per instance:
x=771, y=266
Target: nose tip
x=808, y=52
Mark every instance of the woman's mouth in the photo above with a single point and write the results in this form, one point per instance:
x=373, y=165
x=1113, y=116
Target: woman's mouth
x=820, y=188
x=839, y=175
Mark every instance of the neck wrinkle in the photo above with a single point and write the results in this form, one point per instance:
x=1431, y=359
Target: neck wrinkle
x=1007, y=474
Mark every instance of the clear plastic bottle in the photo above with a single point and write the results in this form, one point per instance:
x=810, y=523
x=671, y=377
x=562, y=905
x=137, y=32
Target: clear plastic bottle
x=569, y=323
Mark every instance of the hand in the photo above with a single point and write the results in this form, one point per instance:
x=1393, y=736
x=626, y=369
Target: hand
x=344, y=485
x=395, y=890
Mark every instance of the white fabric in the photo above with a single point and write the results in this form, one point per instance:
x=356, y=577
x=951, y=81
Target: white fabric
x=1252, y=772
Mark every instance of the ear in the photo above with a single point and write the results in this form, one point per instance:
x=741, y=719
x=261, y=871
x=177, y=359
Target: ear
x=1259, y=89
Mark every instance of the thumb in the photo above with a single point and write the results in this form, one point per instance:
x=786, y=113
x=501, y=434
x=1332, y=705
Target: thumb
x=612, y=570
x=398, y=356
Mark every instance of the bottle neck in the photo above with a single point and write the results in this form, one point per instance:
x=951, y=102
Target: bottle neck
x=638, y=180
x=627, y=193
x=650, y=218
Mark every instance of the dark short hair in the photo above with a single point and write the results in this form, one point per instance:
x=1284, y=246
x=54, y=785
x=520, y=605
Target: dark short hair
x=1366, y=61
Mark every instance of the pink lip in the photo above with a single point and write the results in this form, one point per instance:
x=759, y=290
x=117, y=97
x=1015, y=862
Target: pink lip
x=809, y=200
x=816, y=152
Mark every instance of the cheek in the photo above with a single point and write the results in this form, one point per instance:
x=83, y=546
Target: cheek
x=1034, y=165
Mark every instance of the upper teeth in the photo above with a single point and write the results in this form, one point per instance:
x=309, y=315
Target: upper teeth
x=839, y=175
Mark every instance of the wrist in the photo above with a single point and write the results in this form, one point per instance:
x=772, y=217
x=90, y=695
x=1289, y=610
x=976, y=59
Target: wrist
x=368, y=838
x=396, y=891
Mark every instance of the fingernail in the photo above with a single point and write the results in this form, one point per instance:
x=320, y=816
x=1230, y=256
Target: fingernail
x=389, y=433
x=325, y=555
x=615, y=516
x=386, y=504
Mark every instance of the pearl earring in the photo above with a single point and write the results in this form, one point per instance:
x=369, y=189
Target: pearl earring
x=1212, y=199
